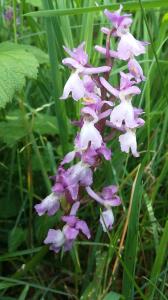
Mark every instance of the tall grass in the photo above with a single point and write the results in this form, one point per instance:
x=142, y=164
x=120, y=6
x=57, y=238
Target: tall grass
x=131, y=262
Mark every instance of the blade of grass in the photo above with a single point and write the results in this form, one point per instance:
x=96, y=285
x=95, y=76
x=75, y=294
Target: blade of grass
x=56, y=80
x=160, y=257
x=15, y=255
x=87, y=28
x=131, y=5
x=130, y=253
x=34, y=285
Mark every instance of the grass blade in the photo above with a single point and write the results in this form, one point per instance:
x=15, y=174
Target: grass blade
x=160, y=257
x=131, y=5
x=130, y=254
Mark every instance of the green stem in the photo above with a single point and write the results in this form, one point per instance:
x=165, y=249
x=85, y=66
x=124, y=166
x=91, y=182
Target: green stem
x=14, y=21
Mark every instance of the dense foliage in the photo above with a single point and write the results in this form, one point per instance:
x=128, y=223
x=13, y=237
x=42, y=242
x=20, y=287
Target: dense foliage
x=129, y=262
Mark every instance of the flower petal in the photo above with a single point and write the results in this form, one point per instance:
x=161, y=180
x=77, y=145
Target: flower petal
x=75, y=86
x=55, y=237
x=74, y=208
x=50, y=205
x=128, y=46
x=90, y=134
x=128, y=141
x=108, y=87
x=103, y=51
x=107, y=219
x=82, y=226
x=103, y=69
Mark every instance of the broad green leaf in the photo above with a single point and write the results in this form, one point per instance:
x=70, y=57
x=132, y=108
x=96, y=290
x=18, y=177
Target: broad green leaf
x=40, y=55
x=16, y=237
x=15, y=65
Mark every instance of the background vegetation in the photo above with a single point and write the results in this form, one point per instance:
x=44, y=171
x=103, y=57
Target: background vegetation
x=35, y=131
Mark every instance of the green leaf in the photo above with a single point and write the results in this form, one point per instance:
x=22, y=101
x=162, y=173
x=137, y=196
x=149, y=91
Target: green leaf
x=45, y=124
x=131, y=246
x=12, y=131
x=14, y=128
x=113, y=296
x=16, y=237
x=17, y=254
x=40, y=55
x=6, y=285
x=131, y=5
x=15, y=65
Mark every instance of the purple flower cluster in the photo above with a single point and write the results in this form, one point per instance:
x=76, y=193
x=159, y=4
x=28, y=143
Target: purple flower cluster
x=102, y=105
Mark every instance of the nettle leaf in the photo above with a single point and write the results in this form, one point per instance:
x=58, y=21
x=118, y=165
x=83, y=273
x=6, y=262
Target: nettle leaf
x=15, y=65
x=39, y=54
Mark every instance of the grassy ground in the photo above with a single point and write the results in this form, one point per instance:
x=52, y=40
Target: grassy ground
x=35, y=131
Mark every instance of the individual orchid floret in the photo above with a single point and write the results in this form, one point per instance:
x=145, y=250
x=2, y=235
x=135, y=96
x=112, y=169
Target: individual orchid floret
x=78, y=54
x=128, y=142
x=79, y=60
x=73, y=227
x=108, y=199
x=56, y=239
x=139, y=121
x=92, y=92
x=66, y=237
x=127, y=89
x=91, y=156
x=120, y=22
x=49, y=205
x=89, y=134
x=128, y=47
x=107, y=219
x=75, y=86
x=135, y=70
x=68, y=181
x=78, y=63
x=124, y=112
